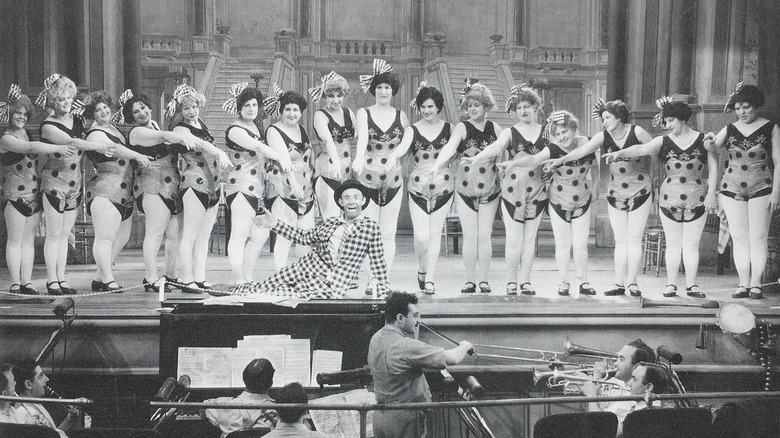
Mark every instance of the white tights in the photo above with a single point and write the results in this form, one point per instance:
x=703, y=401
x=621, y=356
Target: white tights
x=387, y=218
x=682, y=237
x=520, y=246
x=246, y=240
x=55, y=247
x=749, y=226
x=427, y=236
x=284, y=213
x=111, y=235
x=568, y=237
x=197, y=223
x=477, y=228
x=20, y=246
x=628, y=227
x=159, y=222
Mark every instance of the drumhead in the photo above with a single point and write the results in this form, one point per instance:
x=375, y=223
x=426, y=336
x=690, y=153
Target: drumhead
x=735, y=318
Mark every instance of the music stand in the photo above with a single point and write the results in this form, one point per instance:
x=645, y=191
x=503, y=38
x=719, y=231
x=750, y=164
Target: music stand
x=55, y=339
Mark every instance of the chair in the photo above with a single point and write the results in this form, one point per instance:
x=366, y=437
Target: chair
x=577, y=425
x=107, y=432
x=84, y=237
x=27, y=431
x=249, y=433
x=668, y=423
x=654, y=248
x=452, y=229
x=219, y=233
x=751, y=418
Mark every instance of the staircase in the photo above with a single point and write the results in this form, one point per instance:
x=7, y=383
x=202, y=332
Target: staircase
x=233, y=71
x=462, y=68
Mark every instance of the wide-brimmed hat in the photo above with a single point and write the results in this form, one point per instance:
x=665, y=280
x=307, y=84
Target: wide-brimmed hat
x=350, y=184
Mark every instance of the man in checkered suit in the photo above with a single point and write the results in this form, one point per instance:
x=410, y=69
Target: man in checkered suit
x=339, y=246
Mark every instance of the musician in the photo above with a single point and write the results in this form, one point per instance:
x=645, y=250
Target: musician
x=258, y=377
x=339, y=246
x=32, y=382
x=631, y=354
x=291, y=419
x=645, y=377
x=8, y=384
x=397, y=360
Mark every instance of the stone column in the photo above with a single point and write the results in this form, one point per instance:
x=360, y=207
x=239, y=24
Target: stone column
x=113, y=48
x=131, y=43
x=616, y=73
x=682, y=41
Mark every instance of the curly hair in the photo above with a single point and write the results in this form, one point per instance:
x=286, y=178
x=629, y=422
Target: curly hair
x=430, y=93
x=23, y=102
x=617, y=108
x=127, y=110
x=292, y=97
x=63, y=87
x=569, y=121
x=677, y=109
x=390, y=79
x=397, y=303
x=525, y=95
x=196, y=98
x=749, y=94
x=337, y=85
x=478, y=93
x=93, y=99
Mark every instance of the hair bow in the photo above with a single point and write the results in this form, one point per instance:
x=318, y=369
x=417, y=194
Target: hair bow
x=77, y=108
x=231, y=105
x=14, y=93
x=380, y=67
x=469, y=82
x=661, y=103
x=514, y=94
x=316, y=92
x=47, y=84
x=556, y=118
x=271, y=103
x=737, y=89
x=413, y=103
x=119, y=116
x=599, y=107
x=181, y=91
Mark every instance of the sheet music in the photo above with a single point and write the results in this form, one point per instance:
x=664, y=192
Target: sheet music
x=343, y=424
x=325, y=361
x=239, y=300
x=297, y=360
x=242, y=357
x=207, y=367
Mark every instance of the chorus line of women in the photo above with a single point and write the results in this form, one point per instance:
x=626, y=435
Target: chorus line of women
x=174, y=178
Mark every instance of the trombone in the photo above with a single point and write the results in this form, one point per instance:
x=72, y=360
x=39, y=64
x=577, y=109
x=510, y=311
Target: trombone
x=572, y=349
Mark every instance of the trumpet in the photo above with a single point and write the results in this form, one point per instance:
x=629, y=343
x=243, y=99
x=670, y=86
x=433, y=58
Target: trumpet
x=573, y=384
x=539, y=375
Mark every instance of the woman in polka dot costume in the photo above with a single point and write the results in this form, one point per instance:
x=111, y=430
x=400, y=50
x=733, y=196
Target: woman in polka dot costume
x=570, y=195
x=291, y=195
x=110, y=191
x=430, y=193
x=199, y=192
x=245, y=185
x=630, y=190
x=523, y=193
x=61, y=178
x=750, y=185
x=335, y=129
x=19, y=157
x=380, y=128
x=477, y=191
x=686, y=193
x=156, y=187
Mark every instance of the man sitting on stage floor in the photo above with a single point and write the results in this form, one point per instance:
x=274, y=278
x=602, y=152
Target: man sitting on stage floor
x=339, y=246
x=258, y=377
x=32, y=382
x=631, y=354
x=397, y=360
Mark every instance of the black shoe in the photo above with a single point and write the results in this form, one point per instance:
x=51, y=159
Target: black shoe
x=421, y=280
x=173, y=283
x=150, y=287
x=107, y=287
x=693, y=291
x=66, y=289
x=191, y=288
x=52, y=291
x=15, y=290
x=741, y=292
x=634, y=291
x=429, y=288
x=756, y=293
x=97, y=285
x=511, y=288
x=588, y=290
x=28, y=289
x=563, y=289
x=526, y=289
x=468, y=288
x=484, y=287
x=671, y=291
x=615, y=291
x=204, y=284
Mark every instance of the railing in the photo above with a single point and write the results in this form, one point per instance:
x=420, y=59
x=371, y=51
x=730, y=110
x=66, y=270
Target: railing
x=364, y=408
x=360, y=47
x=555, y=55
x=161, y=45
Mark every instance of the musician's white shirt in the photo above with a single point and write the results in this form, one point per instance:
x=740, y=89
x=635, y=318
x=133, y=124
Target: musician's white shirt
x=33, y=413
x=619, y=408
x=9, y=415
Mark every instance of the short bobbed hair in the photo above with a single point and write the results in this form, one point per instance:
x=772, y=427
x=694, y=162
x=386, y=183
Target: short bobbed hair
x=292, y=97
x=677, y=109
x=93, y=99
x=478, y=93
x=749, y=94
x=338, y=85
x=397, y=303
x=388, y=78
x=292, y=393
x=617, y=108
x=259, y=376
x=194, y=97
x=127, y=110
x=430, y=93
x=23, y=102
x=248, y=94
x=63, y=87
x=569, y=121
x=525, y=95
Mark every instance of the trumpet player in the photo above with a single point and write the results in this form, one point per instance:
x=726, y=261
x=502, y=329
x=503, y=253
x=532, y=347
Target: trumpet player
x=32, y=382
x=631, y=354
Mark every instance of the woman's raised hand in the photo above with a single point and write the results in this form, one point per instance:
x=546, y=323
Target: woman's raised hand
x=611, y=156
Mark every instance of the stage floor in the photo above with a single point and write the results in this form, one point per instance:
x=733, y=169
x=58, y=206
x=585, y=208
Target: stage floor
x=448, y=301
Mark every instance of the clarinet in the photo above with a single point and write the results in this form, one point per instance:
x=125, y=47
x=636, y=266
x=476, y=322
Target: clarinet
x=73, y=409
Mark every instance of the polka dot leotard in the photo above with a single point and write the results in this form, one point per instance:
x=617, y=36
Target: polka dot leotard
x=344, y=138
x=479, y=185
x=113, y=179
x=430, y=194
x=61, y=176
x=162, y=178
x=382, y=183
x=302, y=171
x=523, y=192
x=569, y=189
x=248, y=176
x=749, y=171
x=200, y=172
x=20, y=187
x=685, y=187
x=630, y=184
